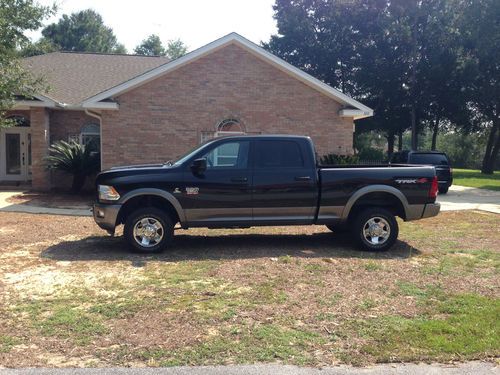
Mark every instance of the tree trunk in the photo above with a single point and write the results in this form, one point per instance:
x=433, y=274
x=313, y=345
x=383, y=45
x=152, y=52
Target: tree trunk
x=390, y=144
x=414, y=130
x=435, y=133
x=491, y=151
x=400, y=140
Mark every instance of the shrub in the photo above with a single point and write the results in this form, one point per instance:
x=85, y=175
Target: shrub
x=334, y=159
x=75, y=159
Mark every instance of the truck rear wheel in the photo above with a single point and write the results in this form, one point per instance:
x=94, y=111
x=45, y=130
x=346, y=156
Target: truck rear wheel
x=148, y=230
x=375, y=229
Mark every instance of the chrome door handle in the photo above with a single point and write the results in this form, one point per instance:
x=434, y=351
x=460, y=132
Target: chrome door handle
x=303, y=178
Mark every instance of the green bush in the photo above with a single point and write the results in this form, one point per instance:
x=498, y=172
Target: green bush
x=334, y=159
x=75, y=159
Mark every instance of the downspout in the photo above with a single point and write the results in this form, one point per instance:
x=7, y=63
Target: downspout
x=99, y=117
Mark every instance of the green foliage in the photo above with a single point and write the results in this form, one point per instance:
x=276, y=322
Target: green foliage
x=474, y=178
x=463, y=326
x=334, y=159
x=17, y=17
x=422, y=62
x=176, y=48
x=83, y=31
x=151, y=46
x=75, y=159
x=39, y=47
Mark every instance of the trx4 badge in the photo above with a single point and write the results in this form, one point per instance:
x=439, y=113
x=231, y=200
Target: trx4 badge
x=192, y=190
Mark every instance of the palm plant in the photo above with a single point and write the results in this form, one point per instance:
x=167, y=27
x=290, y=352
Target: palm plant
x=75, y=159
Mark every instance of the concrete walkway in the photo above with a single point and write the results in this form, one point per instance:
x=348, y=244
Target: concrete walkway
x=469, y=368
x=467, y=198
x=9, y=207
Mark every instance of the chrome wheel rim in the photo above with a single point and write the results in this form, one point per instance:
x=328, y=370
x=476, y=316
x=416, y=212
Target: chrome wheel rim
x=376, y=231
x=148, y=232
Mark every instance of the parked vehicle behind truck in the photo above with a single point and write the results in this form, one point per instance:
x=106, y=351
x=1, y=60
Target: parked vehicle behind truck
x=245, y=181
x=438, y=159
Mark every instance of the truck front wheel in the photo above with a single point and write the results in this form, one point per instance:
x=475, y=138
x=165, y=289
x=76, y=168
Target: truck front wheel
x=375, y=229
x=148, y=230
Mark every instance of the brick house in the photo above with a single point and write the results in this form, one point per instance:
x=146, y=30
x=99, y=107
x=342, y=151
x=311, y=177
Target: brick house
x=140, y=109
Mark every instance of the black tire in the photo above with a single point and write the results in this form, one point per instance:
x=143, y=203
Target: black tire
x=443, y=190
x=386, y=224
x=338, y=228
x=155, y=219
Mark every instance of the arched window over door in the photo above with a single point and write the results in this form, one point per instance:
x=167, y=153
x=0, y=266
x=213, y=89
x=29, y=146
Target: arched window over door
x=230, y=125
x=19, y=120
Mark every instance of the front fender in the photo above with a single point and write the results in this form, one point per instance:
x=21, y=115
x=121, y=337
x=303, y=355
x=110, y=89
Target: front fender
x=157, y=192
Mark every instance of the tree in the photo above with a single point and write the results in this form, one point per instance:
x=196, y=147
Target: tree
x=75, y=159
x=176, y=48
x=479, y=30
x=151, y=46
x=16, y=17
x=402, y=58
x=83, y=31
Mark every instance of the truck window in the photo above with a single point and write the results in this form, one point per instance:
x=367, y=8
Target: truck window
x=431, y=159
x=278, y=154
x=228, y=155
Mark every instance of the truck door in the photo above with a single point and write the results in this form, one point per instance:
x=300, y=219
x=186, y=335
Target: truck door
x=284, y=182
x=221, y=196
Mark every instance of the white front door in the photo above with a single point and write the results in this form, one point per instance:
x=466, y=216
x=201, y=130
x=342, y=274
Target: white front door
x=15, y=154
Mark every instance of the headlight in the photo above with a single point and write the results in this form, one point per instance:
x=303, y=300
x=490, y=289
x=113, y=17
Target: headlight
x=108, y=193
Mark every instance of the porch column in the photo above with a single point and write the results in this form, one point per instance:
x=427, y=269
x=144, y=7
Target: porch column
x=40, y=142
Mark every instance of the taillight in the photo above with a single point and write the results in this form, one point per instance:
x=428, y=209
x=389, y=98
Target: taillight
x=433, y=191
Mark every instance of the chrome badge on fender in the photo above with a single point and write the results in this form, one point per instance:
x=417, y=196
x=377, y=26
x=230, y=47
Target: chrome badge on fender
x=192, y=190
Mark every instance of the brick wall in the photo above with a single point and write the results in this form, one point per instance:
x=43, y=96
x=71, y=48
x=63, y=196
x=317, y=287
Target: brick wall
x=40, y=133
x=164, y=118
x=65, y=123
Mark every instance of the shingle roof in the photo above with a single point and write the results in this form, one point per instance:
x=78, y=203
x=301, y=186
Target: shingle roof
x=73, y=77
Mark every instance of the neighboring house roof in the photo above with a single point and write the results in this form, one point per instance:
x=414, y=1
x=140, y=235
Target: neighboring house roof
x=92, y=80
x=73, y=77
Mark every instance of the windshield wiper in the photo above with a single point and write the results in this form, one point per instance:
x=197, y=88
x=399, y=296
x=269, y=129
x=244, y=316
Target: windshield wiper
x=169, y=163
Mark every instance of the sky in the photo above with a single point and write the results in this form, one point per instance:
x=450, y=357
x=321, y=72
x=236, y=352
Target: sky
x=195, y=22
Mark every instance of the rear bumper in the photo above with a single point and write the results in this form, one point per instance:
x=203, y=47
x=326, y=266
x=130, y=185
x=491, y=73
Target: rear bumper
x=105, y=215
x=431, y=209
x=421, y=211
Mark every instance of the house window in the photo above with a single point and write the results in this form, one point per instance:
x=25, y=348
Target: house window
x=90, y=136
x=229, y=126
x=19, y=120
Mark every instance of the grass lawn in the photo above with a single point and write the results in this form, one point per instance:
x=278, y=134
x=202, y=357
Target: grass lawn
x=70, y=296
x=474, y=178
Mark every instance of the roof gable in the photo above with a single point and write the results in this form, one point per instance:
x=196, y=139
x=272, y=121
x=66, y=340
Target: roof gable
x=353, y=109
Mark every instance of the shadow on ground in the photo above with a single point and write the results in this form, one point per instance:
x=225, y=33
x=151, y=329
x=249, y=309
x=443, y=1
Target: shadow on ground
x=238, y=246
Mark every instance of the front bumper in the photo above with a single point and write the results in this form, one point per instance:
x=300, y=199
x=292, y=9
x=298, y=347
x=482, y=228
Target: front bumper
x=431, y=209
x=105, y=215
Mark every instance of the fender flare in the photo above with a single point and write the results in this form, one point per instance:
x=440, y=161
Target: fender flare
x=159, y=193
x=374, y=189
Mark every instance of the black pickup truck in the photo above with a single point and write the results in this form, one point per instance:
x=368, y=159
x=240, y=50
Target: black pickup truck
x=244, y=181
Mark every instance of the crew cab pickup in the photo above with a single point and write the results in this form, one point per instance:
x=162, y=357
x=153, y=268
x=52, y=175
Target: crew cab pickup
x=245, y=181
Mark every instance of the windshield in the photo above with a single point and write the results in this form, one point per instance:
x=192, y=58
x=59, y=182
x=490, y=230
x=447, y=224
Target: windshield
x=191, y=152
x=432, y=159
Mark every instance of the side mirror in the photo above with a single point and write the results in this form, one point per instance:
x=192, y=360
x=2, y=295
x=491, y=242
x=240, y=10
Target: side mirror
x=199, y=166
